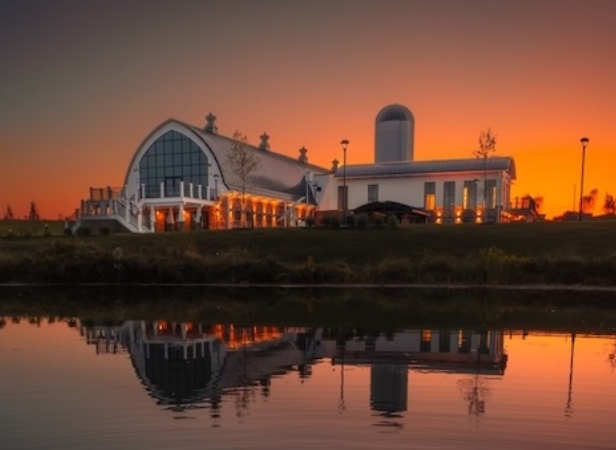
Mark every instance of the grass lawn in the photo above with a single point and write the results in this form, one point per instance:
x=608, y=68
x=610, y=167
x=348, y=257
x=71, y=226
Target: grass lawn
x=355, y=246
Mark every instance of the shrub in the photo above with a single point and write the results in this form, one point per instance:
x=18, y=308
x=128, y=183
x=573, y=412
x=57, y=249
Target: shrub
x=331, y=222
x=392, y=222
x=350, y=220
x=47, y=233
x=378, y=219
x=310, y=221
x=361, y=220
x=105, y=231
x=394, y=270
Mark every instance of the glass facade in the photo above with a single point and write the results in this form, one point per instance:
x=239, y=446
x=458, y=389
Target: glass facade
x=171, y=159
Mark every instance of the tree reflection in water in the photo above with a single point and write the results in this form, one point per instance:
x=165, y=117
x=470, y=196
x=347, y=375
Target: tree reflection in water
x=475, y=390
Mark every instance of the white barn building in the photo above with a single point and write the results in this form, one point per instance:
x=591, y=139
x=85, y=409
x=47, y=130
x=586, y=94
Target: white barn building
x=180, y=178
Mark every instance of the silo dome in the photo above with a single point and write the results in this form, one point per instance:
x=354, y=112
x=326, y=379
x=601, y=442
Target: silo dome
x=394, y=134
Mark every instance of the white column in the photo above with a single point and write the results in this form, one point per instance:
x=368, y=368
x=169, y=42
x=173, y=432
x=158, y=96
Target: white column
x=162, y=189
x=200, y=191
x=140, y=220
x=191, y=191
x=180, y=220
x=181, y=189
x=198, y=217
x=143, y=190
x=152, y=217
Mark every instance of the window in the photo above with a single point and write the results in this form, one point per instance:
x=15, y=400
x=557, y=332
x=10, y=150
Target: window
x=469, y=194
x=430, y=195
x=449, y=195
x=490, y=186
x=373, y=193
x=426, y=341
x=171, y=159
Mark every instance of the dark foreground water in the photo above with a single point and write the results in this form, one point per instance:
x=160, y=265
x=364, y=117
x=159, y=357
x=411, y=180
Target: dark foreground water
x=73, y=384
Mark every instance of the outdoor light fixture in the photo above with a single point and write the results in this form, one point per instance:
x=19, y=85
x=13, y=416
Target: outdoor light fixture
x=344, y=143
x=584, y=142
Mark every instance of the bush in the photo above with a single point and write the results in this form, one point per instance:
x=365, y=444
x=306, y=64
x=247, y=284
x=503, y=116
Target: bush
x=392, y=222
x=105, y=231
x=378, y=219
x=350, y=220
x=331, y=222
x=361, y=220
x=310, y=221
x=47, y=233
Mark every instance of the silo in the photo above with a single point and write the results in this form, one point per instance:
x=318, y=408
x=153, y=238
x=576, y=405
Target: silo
x=394, y=134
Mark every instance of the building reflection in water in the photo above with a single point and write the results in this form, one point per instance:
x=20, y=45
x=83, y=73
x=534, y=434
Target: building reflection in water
x=186, y=365
x=391, y=356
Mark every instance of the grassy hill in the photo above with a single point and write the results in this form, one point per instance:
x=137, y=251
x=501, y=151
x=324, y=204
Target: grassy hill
x=571, y=252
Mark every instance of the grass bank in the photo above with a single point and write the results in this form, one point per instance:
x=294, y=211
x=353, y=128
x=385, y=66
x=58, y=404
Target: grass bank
x=591, y=312
x=535, y=253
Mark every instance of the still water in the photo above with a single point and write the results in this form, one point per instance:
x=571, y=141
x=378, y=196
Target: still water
x=65, y=384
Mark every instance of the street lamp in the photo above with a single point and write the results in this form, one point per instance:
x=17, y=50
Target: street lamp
x=584, y=142
x=344, y=143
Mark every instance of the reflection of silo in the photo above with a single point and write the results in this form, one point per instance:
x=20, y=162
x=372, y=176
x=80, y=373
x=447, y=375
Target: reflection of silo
x=394, y=134
x=388, y=387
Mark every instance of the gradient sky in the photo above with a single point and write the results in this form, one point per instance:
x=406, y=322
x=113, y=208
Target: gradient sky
x=83, y=82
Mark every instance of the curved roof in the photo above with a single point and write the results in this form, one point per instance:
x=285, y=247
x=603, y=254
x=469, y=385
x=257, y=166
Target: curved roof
x=277, y=175
x=502, y=163
x=394, y=112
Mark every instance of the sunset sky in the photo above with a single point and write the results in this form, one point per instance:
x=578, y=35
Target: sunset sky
x=83, y=82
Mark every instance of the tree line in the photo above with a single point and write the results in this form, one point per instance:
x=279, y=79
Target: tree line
x=33, y=213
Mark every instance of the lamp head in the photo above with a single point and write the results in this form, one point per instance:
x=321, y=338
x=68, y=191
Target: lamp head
x=344, y=143
x=584, y=141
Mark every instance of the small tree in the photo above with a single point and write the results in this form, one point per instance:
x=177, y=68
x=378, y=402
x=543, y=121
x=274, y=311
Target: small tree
x=243, y=161
x=589, y=201
x=8, y=215
x=33, y=214
x=487, y=145
x=609, y=204
x=486, y=148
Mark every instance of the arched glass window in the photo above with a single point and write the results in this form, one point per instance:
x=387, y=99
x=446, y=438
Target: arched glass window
x=171, y=159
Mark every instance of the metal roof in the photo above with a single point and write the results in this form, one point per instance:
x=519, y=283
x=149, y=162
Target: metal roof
x=497, y=163
x=276, y=175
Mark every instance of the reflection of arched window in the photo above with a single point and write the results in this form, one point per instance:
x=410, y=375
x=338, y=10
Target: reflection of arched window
x=171, y=159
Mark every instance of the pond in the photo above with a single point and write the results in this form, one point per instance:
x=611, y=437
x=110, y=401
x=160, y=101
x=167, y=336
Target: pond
x=125, y=383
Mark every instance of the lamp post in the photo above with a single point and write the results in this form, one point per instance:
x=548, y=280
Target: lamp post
x=344, y=143
x=584, y=142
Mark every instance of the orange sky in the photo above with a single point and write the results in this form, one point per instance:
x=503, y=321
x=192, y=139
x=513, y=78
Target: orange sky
x=82, y=83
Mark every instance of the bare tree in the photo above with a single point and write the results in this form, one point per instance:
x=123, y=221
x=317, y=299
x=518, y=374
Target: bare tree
x=589, y=201
x=609, y=204
x=539, y=203
x=487, y=145
x=8, y=215
x=33, y=214
x=486, y=148
x=243, y=161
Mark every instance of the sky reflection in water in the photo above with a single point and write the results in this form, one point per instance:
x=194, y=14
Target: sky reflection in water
x=142, y=384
